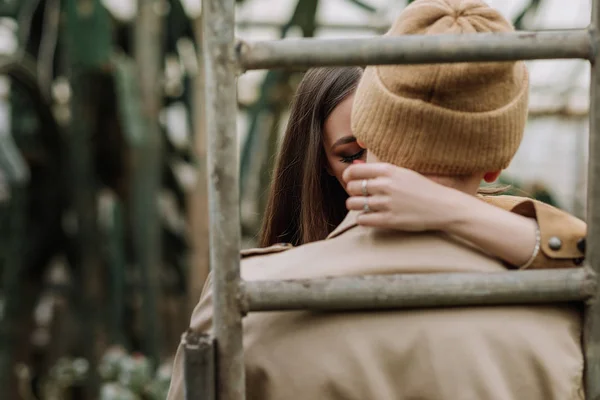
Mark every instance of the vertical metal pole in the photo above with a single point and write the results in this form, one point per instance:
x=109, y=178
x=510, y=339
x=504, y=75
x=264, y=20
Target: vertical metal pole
x=199, y=367
x=223, y=193
x=592, y=312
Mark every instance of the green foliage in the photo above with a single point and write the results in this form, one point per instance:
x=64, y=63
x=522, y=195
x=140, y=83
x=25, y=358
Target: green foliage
x=130, y=377
x=365, y=6
x=529, y=9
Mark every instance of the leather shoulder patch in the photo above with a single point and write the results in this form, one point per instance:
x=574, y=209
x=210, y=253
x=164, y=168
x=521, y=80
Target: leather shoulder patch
x=260, y=251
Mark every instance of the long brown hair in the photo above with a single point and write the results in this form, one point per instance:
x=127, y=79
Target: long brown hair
x=305, y=203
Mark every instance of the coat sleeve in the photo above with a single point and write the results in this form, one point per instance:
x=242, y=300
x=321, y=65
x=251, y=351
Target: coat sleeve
x=562, y=235
x=201, y=322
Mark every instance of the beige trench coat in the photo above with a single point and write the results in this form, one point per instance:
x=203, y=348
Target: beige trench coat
x=491, y=353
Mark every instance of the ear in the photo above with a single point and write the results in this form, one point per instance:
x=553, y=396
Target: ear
x=491, y=177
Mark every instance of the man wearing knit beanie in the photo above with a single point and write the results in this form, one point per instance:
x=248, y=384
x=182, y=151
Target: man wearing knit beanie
x=445, y=119
x=457, y=123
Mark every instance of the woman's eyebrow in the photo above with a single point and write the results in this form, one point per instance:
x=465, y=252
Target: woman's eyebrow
x=344, y=140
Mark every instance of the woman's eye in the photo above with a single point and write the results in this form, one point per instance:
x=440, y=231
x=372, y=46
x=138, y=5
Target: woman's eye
x=349, y=159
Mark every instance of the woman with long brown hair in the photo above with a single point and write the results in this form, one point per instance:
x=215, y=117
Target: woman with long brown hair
x=311, y=182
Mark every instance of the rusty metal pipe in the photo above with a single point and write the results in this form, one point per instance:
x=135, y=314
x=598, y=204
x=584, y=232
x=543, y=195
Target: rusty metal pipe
x=261, y=24
x=591, y=334
x=420, y=290
x=218, y=48
x=415, y=49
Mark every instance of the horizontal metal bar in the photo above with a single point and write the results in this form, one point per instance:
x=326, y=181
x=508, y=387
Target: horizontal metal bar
x=381, y=27
x=420, y=290
x=415, y=49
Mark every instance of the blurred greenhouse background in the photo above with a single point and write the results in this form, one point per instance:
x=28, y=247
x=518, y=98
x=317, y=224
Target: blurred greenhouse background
x=102, y=178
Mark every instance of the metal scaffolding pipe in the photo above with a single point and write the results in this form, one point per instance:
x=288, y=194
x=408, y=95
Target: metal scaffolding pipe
x=415, y=49
x=199, y=366
x=261, y=24
x=591, y=334
x=420, y=290
x=223, y=193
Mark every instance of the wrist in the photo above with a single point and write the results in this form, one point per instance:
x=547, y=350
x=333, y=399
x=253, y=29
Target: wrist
x=536, y=247
x=459, y=210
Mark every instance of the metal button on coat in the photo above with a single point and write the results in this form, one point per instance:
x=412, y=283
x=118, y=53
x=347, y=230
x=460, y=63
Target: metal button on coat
x=554, y=243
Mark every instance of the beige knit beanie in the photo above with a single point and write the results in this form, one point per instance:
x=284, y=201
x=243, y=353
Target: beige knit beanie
x=444, y=119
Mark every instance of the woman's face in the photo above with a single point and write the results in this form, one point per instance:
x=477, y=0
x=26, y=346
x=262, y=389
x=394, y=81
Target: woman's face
x=340, y=145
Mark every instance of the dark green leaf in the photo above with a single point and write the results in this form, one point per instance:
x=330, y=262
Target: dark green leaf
x=363, y=5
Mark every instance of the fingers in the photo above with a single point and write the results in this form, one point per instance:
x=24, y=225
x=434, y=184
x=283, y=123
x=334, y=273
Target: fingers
x=374, y=186
x=367, y=171
x=376, y=203
x=375, y=220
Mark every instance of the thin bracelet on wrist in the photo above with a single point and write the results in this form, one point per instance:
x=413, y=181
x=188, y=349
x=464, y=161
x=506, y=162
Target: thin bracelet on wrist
x=536, y=249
